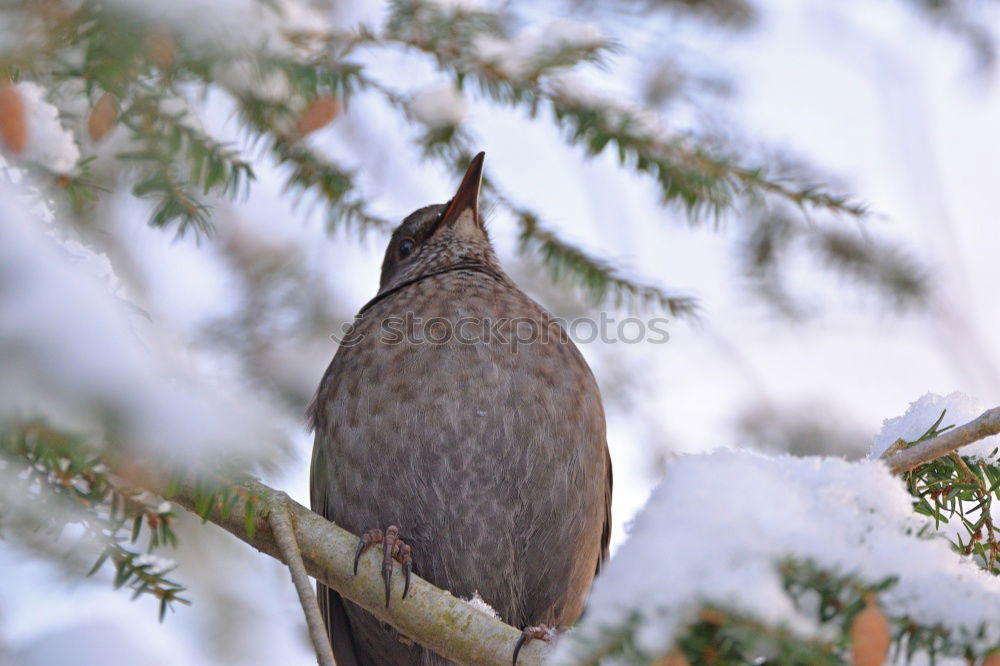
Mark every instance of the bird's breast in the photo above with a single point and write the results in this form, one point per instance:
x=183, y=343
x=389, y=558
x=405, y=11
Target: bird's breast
x=462, y=410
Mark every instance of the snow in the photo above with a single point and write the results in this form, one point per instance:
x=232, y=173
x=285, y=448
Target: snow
x=571, y=87
x=574, y=87
x=156, y=565
x=923, y=413
x=440, y=105
x=49, y=143
x=75, y=353
x=517, y=57
x=245, y=76
x=95, y=266
x=479, y=603
x=230, y=25
x=180, y=108
x=569, y=33
x=456, y=6
x=717, y=527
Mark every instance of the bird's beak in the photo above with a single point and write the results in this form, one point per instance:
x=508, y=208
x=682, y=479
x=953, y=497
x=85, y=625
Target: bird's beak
x=467, y=197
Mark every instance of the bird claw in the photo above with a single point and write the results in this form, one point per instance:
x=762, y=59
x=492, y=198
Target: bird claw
x=541, y=632
x=394, y=549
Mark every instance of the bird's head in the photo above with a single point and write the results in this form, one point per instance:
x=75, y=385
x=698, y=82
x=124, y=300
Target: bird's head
x=437, y=237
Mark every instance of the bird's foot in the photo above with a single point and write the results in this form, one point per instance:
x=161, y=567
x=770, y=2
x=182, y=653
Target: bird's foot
x=541, y=631
x=394, y=549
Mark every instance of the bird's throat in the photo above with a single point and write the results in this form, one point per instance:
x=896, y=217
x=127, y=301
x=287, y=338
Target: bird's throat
x=464, y=266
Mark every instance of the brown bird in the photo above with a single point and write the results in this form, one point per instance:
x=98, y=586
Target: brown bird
x=458, y=417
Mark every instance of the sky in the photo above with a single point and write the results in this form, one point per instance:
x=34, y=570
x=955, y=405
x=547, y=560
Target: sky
x=890, y=106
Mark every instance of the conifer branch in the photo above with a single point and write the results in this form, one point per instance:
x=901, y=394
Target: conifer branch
x=687, y=171
x=61, y=480
x=310, y=173
x=953, y=486
x=597, y=278
x=990, y=545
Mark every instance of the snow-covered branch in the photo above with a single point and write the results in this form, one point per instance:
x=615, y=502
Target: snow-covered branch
x=784, y=552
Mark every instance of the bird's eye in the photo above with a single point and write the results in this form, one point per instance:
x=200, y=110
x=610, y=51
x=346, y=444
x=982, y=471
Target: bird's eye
x=406, y=247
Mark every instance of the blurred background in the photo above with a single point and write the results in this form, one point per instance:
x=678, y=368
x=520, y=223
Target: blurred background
x=893, y=103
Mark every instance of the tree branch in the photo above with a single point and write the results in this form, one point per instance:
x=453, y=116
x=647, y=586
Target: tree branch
x=284, y=534
x=984, y=426
x=429, y=615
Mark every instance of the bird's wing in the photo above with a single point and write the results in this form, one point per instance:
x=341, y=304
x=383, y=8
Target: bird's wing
x=331, y=604
x=606, y=531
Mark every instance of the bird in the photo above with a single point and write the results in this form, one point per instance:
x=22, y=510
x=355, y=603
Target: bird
x=461, y=428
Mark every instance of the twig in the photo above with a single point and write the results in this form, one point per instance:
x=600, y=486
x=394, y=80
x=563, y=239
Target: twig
x=987, y=424
x=285, y=537
x=986, y=517
x=991, y=534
